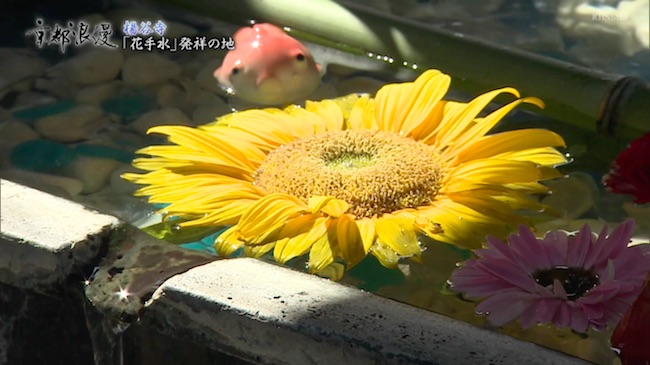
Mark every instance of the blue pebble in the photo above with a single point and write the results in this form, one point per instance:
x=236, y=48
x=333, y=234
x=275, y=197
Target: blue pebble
x=41, y=111
x=41, y=155
x=103, y=152
x=130, y=106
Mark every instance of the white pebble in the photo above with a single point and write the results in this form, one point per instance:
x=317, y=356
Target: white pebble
x=17, y=64
x=13, y=133
x=145, y=69
x=205, y=77
x=93, y=172
x=46, y=182
x=165, y=116
x=121, y=186
x=93, y=67
x=169, y=95
x=208, y=113
x=73, y=125
x=95, y=94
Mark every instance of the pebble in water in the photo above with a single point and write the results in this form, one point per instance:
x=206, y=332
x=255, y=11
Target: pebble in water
x=93, y=172
x=13, y=133
x=121, y=186
x=205, y=77
x=165, y=116
x=57, y=185
x=93, y=150
x=129, y=104
x=17, y=65
x=41, y=155
x=44, y=110
x=96, y=66
x=209, y=113
x=96, y=94
x=148, y=69
x=76, y=124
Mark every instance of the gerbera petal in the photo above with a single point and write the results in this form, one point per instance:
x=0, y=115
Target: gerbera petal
x=504, y=307
x=579, y=247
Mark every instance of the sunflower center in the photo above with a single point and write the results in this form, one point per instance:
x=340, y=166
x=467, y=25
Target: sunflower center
x=576, y=281
x=375, y=172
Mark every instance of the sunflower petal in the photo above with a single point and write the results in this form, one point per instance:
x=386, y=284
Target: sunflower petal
x=398, y=233
x=269, y=213
x=328, y=205
x=401, y=108
x=322, y=254
x=366, y=228
x=298, y=236
x=511, y=141
x=362, y=115
x=387, y=256
x=349, y=240
x=228, y=242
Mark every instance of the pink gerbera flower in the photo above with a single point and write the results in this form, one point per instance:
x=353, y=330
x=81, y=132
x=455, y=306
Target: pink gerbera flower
x=577, y=280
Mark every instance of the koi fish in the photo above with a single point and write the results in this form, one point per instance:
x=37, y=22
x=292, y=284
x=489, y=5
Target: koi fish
x=268, y=66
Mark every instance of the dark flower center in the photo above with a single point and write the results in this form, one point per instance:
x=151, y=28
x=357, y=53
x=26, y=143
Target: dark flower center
x=575, y=280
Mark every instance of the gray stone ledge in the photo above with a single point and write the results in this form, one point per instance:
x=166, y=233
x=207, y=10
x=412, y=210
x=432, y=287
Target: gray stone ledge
x=272, y=315
x=43, y=237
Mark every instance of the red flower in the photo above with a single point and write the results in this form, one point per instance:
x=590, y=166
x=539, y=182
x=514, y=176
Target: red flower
x=630, y=172
x=630, y=338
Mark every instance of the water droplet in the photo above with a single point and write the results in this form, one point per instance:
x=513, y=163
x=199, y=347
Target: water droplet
x=370, y=54
x=415, y=67
x=379, y=57
x=405, y=63
x=176, y=227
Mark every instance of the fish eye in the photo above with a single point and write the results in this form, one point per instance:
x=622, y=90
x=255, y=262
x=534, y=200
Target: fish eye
x=234, y=71
x=300, y=57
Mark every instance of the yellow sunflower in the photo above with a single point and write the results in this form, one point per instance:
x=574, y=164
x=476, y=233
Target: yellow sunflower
x=342, y=178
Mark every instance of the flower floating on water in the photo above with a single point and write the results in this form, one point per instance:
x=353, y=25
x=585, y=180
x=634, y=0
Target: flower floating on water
x=630, y=172
x=579, y=280
x=342, y=178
